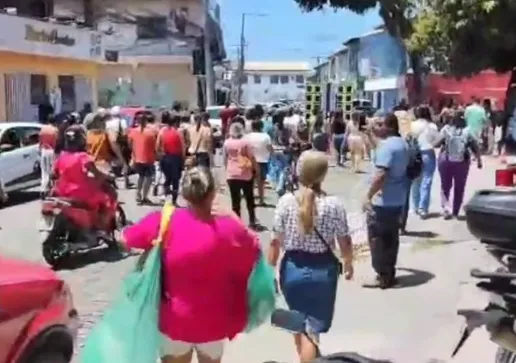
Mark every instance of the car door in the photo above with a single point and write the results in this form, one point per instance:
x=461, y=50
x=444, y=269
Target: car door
x=31, y=168
x=10, y=161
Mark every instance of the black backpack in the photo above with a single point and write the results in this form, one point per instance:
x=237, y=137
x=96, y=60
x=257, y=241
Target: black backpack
x=415, y=164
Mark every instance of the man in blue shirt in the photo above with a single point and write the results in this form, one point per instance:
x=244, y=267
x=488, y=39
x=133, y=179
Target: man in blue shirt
x=385, y=200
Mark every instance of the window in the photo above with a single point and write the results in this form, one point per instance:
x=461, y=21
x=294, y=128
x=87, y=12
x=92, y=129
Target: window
x=30, y=136
x=300, y=79
x=151, y=27
x=244, y=79
x=274, y=79
x=11, y=137
x=283, y=79
x=68, y=99
x=38, y=89
x=257, y=79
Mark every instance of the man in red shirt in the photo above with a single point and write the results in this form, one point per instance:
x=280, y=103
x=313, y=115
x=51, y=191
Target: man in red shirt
x=226, y=115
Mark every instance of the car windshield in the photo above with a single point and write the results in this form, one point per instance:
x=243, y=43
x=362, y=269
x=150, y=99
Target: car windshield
x=214, y=113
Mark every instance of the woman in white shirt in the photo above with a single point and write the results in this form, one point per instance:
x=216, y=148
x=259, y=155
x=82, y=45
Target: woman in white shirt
x=261, y=144
x=427, y=134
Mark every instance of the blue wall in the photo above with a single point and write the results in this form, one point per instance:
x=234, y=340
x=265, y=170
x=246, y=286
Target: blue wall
x=386, y=55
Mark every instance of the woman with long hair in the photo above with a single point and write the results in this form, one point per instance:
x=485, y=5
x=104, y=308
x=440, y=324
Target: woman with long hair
x=355, y=141
x=306, y=226
x=204, y=301
x=458, y=145
x=319, y=137
x=240, y=165
x=338, y=135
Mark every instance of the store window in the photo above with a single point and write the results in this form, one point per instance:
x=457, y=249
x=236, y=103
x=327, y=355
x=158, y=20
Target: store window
x=151, y=27
x=300, y=79
x=274, y=79
x=38, y=89
x=284, y=79
x=68, y=97
x=257, y=79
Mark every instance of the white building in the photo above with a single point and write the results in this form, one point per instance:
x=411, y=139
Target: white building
x=270, y=81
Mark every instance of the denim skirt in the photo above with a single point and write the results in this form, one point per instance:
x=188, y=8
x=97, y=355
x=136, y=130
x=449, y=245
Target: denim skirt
x=308, y=282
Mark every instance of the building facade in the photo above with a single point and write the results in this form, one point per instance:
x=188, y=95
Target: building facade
x=45, y=62
x=266, y=82
x=154, y=49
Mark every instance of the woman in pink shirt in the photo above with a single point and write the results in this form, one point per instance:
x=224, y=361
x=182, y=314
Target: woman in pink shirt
x=207, y=261
x=240, y=166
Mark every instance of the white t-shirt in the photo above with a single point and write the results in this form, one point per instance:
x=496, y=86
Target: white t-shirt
x=292, y=122
x=115, y=124
x=426, y=133
x=261, y=144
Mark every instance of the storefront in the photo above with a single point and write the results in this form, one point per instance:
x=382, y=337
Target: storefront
x=43, y=63
x=152, y=81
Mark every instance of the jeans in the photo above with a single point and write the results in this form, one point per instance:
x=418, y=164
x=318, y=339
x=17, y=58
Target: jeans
x=47, y=162
x=453, y=173
x=236, y=189
x=172, y=167
x=422, y=186
x=278, y=163
x=338, y=142
x=384, y=239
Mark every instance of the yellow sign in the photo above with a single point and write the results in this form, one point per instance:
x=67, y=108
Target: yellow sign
x=51, y=37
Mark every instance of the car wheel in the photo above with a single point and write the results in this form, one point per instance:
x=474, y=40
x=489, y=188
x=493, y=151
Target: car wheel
x=50, y=358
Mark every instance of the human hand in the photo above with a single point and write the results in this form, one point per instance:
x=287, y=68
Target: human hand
x=348, y=270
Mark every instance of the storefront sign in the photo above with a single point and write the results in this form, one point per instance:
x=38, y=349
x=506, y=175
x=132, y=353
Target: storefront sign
x=51, y=37
x=37, y=37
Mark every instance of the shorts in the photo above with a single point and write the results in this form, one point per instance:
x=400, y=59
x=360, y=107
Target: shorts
x=263, y=170
x=177, y=348
x=144, y=170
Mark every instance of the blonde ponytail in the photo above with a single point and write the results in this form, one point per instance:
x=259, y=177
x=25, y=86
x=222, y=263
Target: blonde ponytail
x=307, y=211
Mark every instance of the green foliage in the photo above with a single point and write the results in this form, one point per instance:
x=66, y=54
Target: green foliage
x=464, y=37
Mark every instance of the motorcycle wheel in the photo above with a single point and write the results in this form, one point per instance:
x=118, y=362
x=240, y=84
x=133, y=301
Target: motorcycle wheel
x=120, y=218
x=50, y=253
x=505, y=356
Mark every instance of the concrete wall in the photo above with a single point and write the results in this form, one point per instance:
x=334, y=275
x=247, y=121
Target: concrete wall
x=266, y=91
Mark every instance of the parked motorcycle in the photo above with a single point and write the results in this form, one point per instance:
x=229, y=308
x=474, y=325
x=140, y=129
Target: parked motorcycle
x=68, y=227
x=490, y=216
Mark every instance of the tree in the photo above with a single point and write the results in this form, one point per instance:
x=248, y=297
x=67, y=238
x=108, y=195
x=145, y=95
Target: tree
x=465, y=37
x=397, y=16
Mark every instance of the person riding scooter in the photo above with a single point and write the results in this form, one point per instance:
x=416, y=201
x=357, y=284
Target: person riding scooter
x=78, y=178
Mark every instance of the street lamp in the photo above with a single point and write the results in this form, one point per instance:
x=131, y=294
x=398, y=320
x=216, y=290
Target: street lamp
x=241, y=62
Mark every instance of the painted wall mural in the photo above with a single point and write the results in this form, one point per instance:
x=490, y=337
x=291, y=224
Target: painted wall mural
x=381, y=56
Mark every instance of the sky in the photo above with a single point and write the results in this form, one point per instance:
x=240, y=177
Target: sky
x=284, y=33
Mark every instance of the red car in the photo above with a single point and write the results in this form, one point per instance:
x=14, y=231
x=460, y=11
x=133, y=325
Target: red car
x=38, y=321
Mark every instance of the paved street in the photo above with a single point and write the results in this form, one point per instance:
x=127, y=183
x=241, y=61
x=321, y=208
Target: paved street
x=411, y=324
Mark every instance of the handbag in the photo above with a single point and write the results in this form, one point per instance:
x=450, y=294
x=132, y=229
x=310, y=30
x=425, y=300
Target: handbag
x=133, y=318
x=244, y=161
x=192, y=159
x=336, y=260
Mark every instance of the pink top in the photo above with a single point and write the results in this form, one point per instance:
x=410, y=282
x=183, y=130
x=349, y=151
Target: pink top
x=206, y=267
x=235, y=149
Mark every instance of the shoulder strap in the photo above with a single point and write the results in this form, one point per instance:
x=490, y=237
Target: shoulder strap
x=166, y=214
x=319, y=235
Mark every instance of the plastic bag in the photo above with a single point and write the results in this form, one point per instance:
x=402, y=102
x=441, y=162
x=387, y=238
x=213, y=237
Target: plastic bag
x=129, y=330
x=261, y=294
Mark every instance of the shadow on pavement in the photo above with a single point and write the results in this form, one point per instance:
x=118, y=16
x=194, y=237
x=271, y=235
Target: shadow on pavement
x=17, y=198
x=79, y=260
x=414, y=278
x=420, y=234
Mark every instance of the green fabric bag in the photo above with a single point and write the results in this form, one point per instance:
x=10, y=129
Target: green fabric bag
x=129, y=330
x=261, y=293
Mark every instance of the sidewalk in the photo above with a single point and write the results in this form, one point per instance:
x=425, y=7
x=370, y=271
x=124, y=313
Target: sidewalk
x=416, y=323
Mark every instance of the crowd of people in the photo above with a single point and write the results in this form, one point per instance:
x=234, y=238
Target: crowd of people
x=263, y=150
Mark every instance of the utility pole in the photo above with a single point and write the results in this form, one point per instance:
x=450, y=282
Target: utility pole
x=241, y=60
x=208, y=64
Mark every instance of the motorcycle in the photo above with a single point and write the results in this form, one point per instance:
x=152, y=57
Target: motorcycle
x=490, y=218
x=68, y=227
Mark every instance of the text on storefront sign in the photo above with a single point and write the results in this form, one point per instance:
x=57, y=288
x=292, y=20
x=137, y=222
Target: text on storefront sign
x=43, y=36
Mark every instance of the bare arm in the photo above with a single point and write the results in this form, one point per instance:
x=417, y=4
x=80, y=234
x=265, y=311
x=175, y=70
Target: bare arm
x=115, y=148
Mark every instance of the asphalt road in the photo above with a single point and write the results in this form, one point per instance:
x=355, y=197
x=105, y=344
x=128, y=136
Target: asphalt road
x=411, y=324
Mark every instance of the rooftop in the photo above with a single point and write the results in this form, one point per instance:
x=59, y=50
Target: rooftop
x=278, y=66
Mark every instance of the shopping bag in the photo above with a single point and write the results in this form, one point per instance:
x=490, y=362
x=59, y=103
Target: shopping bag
x=261, y=294
x=129, y=330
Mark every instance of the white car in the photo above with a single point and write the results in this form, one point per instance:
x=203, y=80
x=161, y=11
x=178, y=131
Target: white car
x=215, y=120
x=19, y=157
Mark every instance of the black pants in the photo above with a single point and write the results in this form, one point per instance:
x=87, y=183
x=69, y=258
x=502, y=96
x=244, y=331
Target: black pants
x=172, y=167
x=236, y=189
x=405, y=211
x=384, y=239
